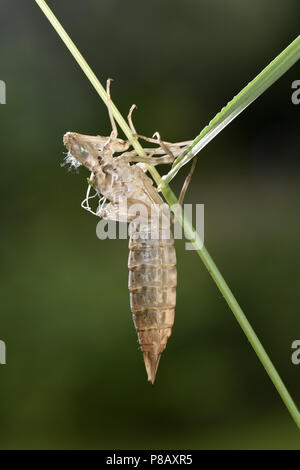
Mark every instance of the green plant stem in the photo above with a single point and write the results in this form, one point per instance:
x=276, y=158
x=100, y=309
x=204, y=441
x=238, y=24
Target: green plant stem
x=190, y=232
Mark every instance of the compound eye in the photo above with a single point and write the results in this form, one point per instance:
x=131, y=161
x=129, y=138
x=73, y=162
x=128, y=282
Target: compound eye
x=84, y=153
x=79, y=152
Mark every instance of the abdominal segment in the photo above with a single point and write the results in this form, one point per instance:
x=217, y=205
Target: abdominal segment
x=152, y=286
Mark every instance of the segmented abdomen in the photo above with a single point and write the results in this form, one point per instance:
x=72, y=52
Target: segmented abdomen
x=152, y=286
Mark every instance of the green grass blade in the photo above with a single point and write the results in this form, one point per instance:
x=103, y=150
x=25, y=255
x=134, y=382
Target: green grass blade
x=253, y=90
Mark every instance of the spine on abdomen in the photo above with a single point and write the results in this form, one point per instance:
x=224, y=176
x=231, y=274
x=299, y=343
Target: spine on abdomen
x=152, y=286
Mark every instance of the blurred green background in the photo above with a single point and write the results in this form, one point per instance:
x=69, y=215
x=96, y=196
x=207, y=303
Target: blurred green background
x=74, y=376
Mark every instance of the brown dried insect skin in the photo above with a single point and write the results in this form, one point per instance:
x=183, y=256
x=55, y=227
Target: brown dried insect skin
x=152, y=258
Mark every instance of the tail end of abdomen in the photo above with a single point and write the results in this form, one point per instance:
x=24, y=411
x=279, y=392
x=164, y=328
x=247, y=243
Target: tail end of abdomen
x=151, y=361
x=152, y=286
x=154, y=328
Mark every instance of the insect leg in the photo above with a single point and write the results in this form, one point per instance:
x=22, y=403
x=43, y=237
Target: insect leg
x=187, y=182
x=165, y=146
x=114, y=132
x=162, y=145
x=169, y=144
x=129, y=118
x=131, y=157
x=172, y=149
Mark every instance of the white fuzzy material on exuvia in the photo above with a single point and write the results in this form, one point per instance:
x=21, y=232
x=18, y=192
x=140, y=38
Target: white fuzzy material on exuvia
x=71, y=162
x=85, y=203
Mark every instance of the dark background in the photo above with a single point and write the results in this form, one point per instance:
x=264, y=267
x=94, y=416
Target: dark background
x=74, y=376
